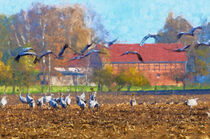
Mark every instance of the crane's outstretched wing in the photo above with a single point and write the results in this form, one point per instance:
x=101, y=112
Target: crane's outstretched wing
x=77, y=57
x=39, y=57
x=108, y=44
x=180, y=49
x=86, y=47
x=179, y=35
x=62, y=51
x=133, y=52
x=47, y=53
x=190, y=33
x=155, y=36
x=139, y=57
x=24, y=54
x=195, y=28
x=198, y=44
x=92, y=51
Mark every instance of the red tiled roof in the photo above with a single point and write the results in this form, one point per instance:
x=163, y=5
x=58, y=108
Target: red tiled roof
x=149, y=52
x=78, y=63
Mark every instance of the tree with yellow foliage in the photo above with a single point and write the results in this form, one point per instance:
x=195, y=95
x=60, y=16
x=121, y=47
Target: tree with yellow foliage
x=5, y=74
x=23, y=72
x=130, y=77
x=103, y=77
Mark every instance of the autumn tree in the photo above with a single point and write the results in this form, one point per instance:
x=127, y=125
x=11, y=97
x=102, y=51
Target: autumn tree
x=197, y=58
x=130, y=77
x=5, y=74
x=103, y=77
x=24, y=73
x=178, y=76
x=43, y=27
x=172, y=27
x=120, y=79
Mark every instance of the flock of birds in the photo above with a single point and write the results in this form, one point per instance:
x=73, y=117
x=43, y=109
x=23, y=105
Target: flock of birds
x=82, y=54
x=190, y=102
x=63, y=101
x=179, y=35
x=66, y=101
x=27, y=52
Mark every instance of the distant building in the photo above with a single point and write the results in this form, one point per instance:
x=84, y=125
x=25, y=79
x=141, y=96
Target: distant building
x=78, y=71
x=160, y=64
x=159, y=61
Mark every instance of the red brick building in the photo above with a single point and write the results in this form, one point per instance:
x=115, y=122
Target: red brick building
x=158, y=64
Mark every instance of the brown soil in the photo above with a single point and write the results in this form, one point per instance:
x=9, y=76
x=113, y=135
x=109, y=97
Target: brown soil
x=114, y=119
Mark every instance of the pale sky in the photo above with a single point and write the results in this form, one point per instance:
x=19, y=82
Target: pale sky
x=129, y=20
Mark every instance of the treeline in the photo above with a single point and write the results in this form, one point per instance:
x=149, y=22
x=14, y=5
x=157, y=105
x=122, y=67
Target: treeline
x=198, y=59
x=115, y=81
x=43, y=28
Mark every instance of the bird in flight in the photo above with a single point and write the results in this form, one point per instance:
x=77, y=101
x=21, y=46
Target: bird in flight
x=198, y=44
x=60, y=55
x=133, y=52
x=21, y=54
x=86, y=47
x=92, y=51
x=155, y=36
x=108, y=44
x=190, y=33
x=39, y=57
x=183, y=49
x=23, y=49
x=83, y=56
x=77, y=57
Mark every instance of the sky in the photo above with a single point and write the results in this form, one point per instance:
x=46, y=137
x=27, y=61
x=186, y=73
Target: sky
x=127, y=20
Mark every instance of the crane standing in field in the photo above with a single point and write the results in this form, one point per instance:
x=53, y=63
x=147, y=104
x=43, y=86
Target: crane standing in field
x=22, y=99
x=3, y=101
x=30, y=101
x=53, y=104
x=192, y=102
x=93, y=103
x=40, y=102
x=62, y=102
x=81, y=101
x=133, y=100
x=67, y=99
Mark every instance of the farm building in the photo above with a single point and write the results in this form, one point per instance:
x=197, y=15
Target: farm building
x=78, y=71
x=161, y=65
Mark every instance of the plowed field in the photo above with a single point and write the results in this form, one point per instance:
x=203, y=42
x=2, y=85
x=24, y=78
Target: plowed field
x=114, y=119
